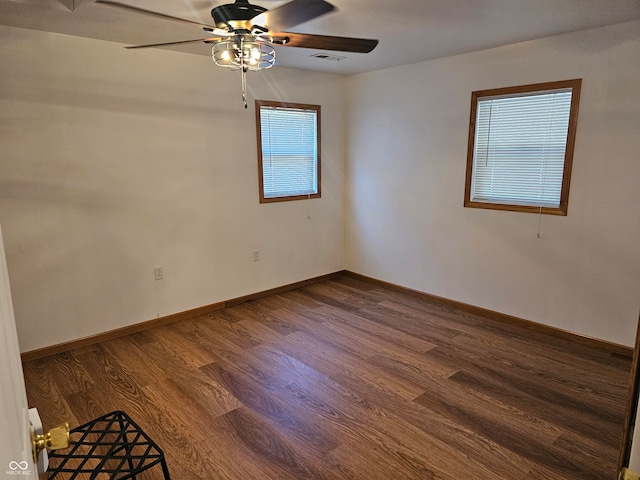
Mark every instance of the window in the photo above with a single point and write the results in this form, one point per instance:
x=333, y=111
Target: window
x=521, y=147
x=288, y=151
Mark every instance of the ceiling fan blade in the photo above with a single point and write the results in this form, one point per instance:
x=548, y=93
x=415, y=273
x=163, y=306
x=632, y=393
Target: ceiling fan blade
x=184, y=42
x=156, y=14
x=291, y=14
x=323, y=42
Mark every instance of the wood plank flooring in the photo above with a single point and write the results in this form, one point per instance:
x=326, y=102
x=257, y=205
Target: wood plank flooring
x=345, y=379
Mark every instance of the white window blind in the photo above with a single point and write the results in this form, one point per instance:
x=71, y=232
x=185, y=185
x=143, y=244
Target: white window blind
x=520, y=145
x=289, y=151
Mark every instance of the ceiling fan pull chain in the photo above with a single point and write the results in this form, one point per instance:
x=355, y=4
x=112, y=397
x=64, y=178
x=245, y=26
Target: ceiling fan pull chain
x=244, y=86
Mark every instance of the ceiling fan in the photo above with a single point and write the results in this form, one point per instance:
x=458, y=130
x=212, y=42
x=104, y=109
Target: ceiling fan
x=244, y=34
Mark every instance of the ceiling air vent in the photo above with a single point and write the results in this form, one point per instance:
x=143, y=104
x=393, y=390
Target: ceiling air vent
x=326, y=56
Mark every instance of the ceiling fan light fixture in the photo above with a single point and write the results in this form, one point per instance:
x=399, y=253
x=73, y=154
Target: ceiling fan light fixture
x=243, y=52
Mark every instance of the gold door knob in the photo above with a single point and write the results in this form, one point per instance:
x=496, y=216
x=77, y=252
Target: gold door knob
x=55, y=439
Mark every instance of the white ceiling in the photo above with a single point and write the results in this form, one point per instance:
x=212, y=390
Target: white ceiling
x=409, y=31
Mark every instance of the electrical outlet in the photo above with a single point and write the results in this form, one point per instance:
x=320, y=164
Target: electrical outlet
x=158, y=272
x=256, y=255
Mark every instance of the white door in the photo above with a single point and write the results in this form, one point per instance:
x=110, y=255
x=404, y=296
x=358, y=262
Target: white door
x=16, y=460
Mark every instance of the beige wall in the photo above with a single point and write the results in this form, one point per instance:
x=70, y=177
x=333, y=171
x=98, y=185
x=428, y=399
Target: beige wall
x=406, y=154
x=114, y=161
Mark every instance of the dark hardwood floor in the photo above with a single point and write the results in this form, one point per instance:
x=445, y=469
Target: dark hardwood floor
x=346, y=379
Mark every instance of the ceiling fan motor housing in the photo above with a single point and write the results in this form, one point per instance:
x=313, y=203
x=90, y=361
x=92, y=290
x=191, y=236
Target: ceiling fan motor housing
x=235, y=15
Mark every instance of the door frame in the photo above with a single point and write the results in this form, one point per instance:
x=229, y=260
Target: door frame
x=632, y=406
